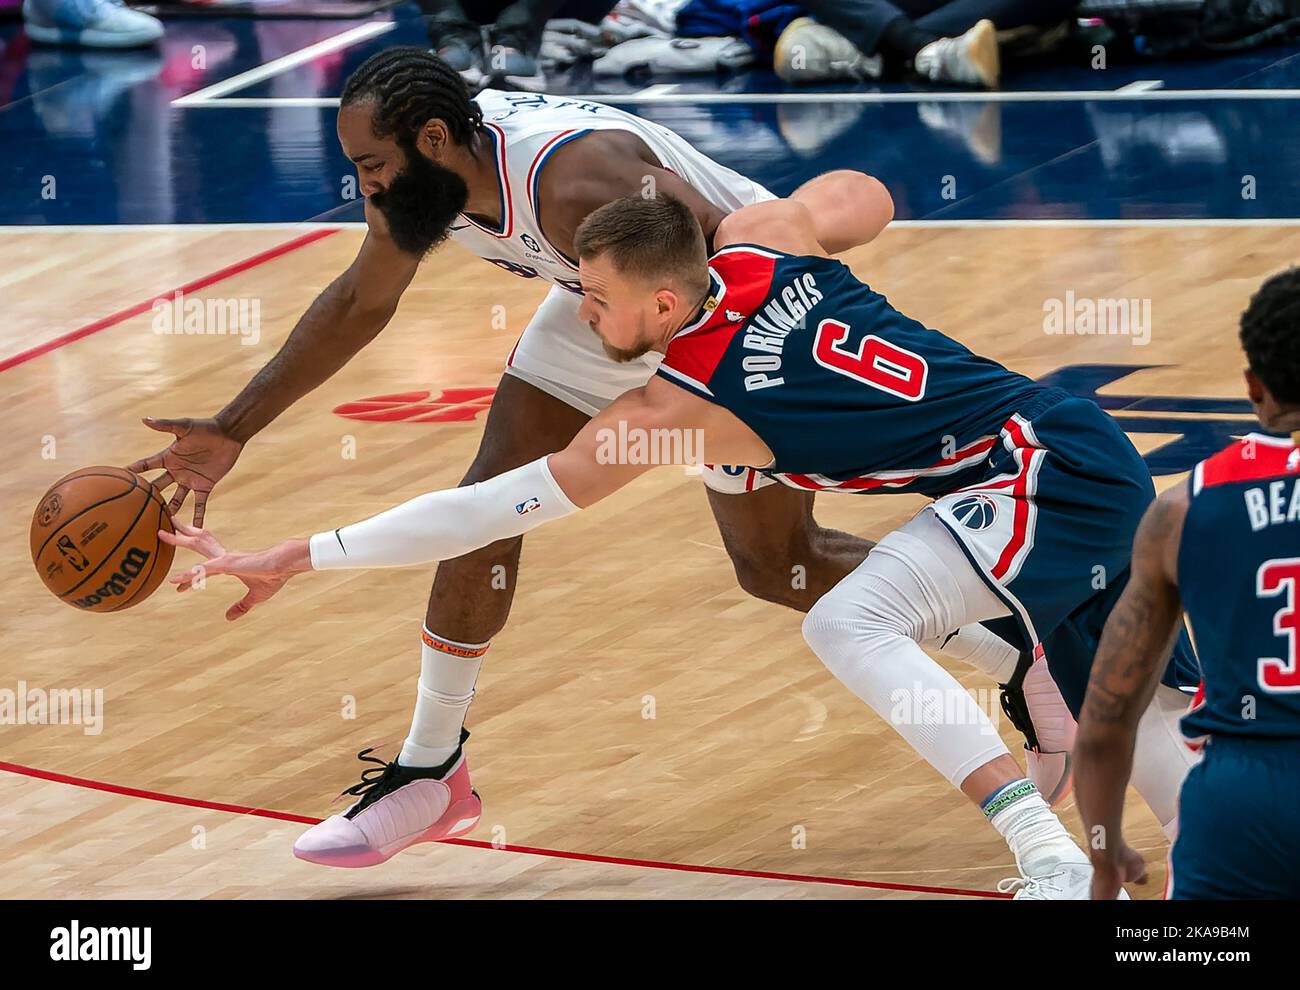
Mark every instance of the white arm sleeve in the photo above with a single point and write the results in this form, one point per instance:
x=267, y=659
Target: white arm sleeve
x=446, y=524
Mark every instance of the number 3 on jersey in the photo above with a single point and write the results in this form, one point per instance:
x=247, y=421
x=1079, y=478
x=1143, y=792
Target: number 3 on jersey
x=876, y=362
x=1276, y=577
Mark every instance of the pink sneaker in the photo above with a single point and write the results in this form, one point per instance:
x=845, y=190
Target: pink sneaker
x=398, y=808
x=1051, y=764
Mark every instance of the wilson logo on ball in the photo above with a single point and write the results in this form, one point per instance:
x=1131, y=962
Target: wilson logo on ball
x=130, y=568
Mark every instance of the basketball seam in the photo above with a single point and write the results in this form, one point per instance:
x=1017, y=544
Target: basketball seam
x=134, y=485
x=112, y=550
x=162, y=511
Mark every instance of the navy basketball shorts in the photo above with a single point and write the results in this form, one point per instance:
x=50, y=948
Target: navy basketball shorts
x=1239, y=823
x=1050, y=527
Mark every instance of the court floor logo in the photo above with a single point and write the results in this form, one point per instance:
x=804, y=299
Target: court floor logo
x=451, y=405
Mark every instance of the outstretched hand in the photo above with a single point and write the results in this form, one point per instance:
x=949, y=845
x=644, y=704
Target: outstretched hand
x=263, y=572
x=195, y=461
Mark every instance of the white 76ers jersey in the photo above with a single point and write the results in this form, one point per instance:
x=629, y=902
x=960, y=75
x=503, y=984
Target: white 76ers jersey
x=526, y=129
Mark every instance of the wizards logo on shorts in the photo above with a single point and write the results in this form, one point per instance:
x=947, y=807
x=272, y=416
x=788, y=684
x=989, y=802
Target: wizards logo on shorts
x=528, y=505
x=975, y=512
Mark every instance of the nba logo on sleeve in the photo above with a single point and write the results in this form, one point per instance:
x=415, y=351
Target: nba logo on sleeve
x=528, y=505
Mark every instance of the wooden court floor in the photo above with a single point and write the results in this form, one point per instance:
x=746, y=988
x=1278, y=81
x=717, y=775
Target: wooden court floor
x=756, y=760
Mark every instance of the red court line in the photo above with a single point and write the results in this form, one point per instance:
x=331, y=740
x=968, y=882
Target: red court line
x=199, y=283
x=238, y=809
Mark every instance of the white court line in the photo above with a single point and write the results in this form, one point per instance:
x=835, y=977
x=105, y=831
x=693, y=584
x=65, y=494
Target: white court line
x=659, y=89
x=210, y=94
x=646, y=96
x=160, y=228
x=1141, y=86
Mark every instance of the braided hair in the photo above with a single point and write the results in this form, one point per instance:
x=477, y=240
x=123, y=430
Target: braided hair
x=409, y=87
x=1270, y=335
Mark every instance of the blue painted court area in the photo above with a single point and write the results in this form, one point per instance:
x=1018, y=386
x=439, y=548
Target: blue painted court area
x=231, y=122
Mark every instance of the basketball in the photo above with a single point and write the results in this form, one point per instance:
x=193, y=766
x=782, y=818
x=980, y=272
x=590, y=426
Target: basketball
x=94, y=539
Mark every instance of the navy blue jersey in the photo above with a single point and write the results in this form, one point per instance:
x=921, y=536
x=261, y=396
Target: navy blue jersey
x=1238, y=573
x=847, y=392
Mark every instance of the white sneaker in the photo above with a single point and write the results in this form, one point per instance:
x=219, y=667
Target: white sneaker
x=1050, y=767
x=89, y=23
x=1060, y=881
x=970, y=60
x=809, y=52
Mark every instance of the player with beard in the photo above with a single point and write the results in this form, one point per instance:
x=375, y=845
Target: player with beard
x=511, y=176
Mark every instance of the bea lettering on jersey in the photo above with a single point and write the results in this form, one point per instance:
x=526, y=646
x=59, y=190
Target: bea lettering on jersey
x=1279, y=504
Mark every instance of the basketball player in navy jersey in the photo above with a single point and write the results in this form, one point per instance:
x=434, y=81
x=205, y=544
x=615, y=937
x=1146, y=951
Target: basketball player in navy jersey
x=1225, y=547
x=510, y=176
x=785, y=361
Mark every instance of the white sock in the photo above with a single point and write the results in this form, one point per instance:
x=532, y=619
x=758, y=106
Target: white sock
x=975, y=645
x=1160, y=758
x=1036, y=836
x=448, y=671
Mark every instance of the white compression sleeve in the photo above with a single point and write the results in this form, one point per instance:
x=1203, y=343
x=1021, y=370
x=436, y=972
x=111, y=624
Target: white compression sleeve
x=446, y=524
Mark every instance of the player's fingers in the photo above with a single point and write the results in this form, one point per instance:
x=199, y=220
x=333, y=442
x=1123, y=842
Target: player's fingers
x=178, y=427
x=174, y=506
x=202, y=543
x=163, y=481
x=152, y=463
x=184, y=579
x=177, y=539
x=187, y=529
x=240, y=608
x=200, y=508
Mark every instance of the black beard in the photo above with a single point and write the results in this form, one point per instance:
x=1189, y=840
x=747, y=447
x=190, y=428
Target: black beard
x=421, y=203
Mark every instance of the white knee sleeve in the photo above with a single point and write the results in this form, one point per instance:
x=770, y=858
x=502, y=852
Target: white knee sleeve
x=866, y=631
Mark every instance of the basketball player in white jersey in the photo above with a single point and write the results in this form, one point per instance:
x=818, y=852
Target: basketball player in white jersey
x=512, y=176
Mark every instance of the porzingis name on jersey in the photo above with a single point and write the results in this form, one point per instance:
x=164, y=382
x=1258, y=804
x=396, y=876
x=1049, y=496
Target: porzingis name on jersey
x=769, y=327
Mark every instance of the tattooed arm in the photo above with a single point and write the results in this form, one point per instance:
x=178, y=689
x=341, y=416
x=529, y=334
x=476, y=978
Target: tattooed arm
x=1135, y=645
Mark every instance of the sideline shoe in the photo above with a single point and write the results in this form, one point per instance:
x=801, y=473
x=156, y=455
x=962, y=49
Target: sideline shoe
x=808, y=52
x=1061, y=881
x=398, y=807
x=971, y=59
x=463, y=52
x=89, y=24
x=509, y=61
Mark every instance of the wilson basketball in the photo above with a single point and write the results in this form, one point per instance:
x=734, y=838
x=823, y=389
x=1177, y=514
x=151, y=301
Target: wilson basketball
x=95, y=539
